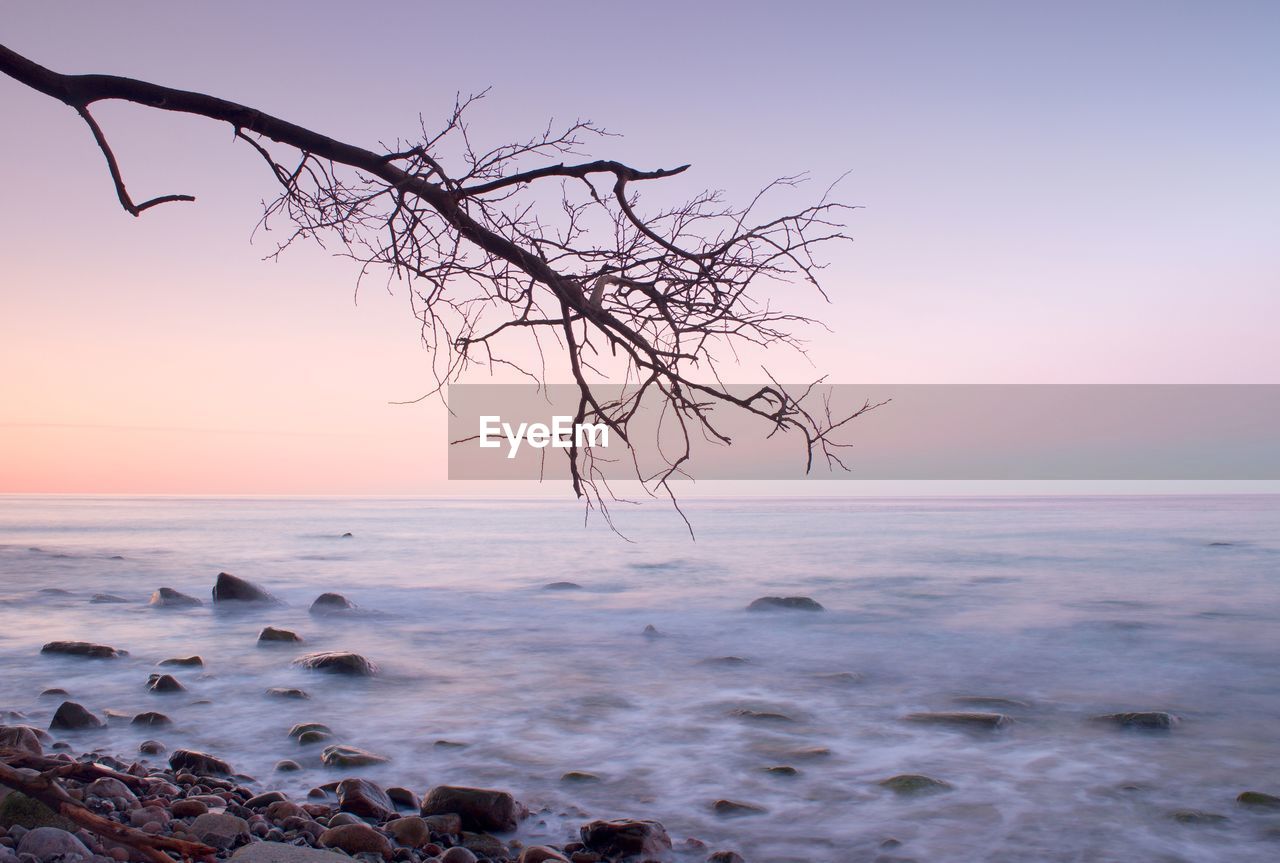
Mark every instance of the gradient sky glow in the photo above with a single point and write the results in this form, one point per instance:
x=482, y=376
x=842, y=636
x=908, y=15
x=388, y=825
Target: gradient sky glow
x=1052, y=193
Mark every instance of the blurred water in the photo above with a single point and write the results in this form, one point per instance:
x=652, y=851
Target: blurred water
x=1077, y=606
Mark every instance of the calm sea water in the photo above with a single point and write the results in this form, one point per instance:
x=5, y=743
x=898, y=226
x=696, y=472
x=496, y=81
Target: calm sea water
x=1076, y=606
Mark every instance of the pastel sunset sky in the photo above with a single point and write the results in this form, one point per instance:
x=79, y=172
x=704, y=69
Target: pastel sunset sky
x=1051, y=193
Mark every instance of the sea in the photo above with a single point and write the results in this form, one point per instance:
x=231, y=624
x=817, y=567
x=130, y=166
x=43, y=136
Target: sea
x=1060, y=608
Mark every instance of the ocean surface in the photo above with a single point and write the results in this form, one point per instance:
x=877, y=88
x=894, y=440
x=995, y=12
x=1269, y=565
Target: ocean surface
x=1075, y=606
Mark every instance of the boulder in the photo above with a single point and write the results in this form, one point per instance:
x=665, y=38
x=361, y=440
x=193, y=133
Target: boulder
x=73, y=717
x=785, y=603
x=357, y=839
x=1149, y=720
x=403, y=798
x=479, y=808
x=914, y=783
x=151, y=718
x=338, y=662
x=199, y=763
x=626, y=838
x=364, y=798
x=51, y=843
x=279, y=852
x=969, y=720
x=270, y=634
x=411, y=831
x=22, y=737
x=83, y=648
x=229, y=588
x=349, y=756
x=219, y=829
x=163, y=684
x=330, y=603
x=193, y=661
x=167, y=597
x=151, y=747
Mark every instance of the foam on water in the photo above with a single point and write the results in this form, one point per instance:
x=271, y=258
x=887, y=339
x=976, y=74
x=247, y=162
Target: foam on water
x=1074, y=606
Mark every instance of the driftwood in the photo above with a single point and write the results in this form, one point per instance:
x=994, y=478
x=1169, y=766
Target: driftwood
x=85, y=772
x=46, y=789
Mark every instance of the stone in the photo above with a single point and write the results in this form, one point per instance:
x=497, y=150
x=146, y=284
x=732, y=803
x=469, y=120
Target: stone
x=199, y=763
x=144, y=815
x=309, y=738
x=562, y=585
x=626, y=838
x=1196, y=816
x=219, y=829
x=990, y=701
x=357, y=839
x=151, y=747
x=110, y=788
x=303, y=727
x=759, y=715
x=449, y=823
x=650, y=631
x=479, y=808
x=52, y=691
x=19, y=810
x=782, y=770
x=485, y=845
x=786, y=603
x=21, y=737
x=403, y=798
x=725, y=857
x=167, y=597
x=731, y=808
x=458, y=854
x=104, y=598
x=194, y=661
x=230, y=588
x=541, y=854
x=151, y=719
x=1149, y=720
x=331, y=603
x=579, y=776
x=1259, y=799
x=287, y=766
x=163, y=684
x=283, y=692
x=349, y=756
x=83, y=648
x=188, y=808
x=265, y=799
x=970, y=720
x=364, y=798
x=338, y=662
x=270, y=634
x=73, y=717
x=914, y=783
x=279, y=852
x=51, y=843
x=411, y=831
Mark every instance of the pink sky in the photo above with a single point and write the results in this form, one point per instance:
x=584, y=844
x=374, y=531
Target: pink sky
x=1081, y=195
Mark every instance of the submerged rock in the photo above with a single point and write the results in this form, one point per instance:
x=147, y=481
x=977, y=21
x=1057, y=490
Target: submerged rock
x=1258, y=798
x=271, y=634
x=562, y=585
x=759, y=715
x=164, y=684
x=990, y=701
x=782, y=770
x=230, y=588
x=83, y=648
x=579, y=776
x=730, y=808
x=151, y=747
x=283, y=692
x=106, y=598
x=330, y=603
x=167, y=597
x=338, y=662
x=725, y=661
x=73, y=717
x=364, y=798
x=349, y=756
x=626, y=838
x=1196, y=816
x=842, y=678
x=790, y=603
x=479, y=808
x=914, y=783
x=651, y=631
x=193, y=661
x=199, y=763
x=1155, y=720
x=971, y=720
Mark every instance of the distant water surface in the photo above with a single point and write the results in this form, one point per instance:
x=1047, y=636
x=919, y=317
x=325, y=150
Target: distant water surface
x=1075, y=606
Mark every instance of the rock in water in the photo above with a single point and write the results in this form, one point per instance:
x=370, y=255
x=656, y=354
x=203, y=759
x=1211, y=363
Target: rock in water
x=163, y=684
x=357, y=839
x=338, y=663
x=83, y=648
x=975, y=721
x=50, y=843
x=199, y=763
x=914, y=783
x=282, y=692
x=479, y=808
x=733, y=808
x=626, y=838
x=790, y=603
x=151, y=718
x=106, y=598
x=21, y=737
x=302, y=728
x=1259, y=799
x=167, y=597
x=562, y=585
x=1151, y=720
x=271, y=634
x=194, y=661
x=73, y=717
x=364, y=798
x=329, y=603
x=151, y=747
x=349, y=756
x=229, y=588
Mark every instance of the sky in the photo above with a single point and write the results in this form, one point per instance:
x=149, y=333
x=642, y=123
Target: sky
x=1050, y=193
